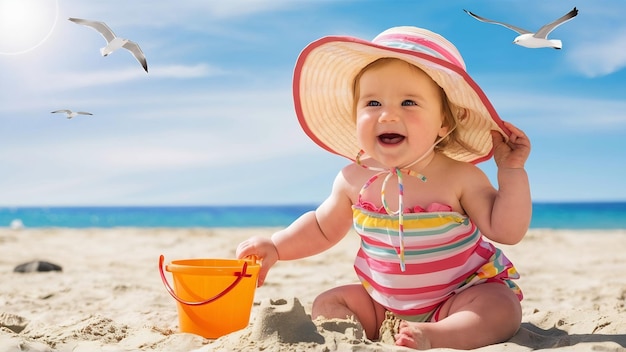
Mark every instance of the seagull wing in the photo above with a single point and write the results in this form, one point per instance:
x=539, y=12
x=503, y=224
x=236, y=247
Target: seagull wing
x=64, y=111
x=101, y=27
x=482, y=19
x=83, y=113
x=137, y=53
x=543, y=31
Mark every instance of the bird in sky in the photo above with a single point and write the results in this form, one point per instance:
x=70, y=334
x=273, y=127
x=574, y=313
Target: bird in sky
x=70, y=113
x=114, y=42
x=537, y=39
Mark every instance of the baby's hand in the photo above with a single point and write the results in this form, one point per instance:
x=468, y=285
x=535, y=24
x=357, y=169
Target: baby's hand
x=264, y=249
x=514, y=153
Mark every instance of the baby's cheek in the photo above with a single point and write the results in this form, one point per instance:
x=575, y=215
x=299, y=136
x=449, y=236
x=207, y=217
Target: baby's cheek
x=359, y=130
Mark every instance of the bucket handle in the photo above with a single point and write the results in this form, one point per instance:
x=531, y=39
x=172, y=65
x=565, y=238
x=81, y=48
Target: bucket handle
x=240, y=275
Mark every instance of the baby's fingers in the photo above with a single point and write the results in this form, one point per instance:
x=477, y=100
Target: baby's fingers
x=245, y=249
x=261, y=248
x=513, y=128
x=262, y=275
x=516, y=133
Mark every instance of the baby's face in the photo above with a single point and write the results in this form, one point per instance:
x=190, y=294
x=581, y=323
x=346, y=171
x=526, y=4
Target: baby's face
x=398, y=112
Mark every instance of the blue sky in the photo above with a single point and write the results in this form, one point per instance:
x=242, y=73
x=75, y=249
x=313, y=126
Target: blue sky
x=213, y=120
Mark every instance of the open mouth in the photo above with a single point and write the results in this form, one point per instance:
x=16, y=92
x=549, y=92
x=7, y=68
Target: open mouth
x=391, y=138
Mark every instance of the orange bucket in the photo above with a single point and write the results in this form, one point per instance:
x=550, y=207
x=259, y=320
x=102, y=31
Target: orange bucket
x=214, y=296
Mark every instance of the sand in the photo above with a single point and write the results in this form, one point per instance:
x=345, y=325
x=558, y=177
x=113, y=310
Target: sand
x=109, y=295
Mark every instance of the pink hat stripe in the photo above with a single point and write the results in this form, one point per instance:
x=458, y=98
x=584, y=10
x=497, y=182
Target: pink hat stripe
x=418, y=44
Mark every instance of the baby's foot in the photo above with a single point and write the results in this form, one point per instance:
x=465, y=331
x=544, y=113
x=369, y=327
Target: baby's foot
x=410, y=335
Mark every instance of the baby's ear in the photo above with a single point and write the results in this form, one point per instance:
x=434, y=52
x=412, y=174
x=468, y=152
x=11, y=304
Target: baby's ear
x=460, y=113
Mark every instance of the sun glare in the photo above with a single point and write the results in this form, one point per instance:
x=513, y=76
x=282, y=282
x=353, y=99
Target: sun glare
x=26, y=24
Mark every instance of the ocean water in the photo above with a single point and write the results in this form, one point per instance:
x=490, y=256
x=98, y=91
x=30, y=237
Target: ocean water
x=545, y=215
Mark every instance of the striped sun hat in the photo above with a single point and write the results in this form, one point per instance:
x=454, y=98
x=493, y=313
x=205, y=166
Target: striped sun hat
x=323, y=88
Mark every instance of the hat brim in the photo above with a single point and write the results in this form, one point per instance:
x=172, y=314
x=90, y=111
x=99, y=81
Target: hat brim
x=323, y=95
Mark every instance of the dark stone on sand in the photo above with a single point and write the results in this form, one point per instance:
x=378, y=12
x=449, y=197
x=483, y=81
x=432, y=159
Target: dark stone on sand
x=37, y=265
x=13, y=322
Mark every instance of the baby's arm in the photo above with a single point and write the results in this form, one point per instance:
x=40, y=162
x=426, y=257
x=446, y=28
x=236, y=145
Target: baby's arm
x=316, y=231
x=512, y=208
x=310, y=234
x=503, y=215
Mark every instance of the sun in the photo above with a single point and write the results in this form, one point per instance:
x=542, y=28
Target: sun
x=26, y=24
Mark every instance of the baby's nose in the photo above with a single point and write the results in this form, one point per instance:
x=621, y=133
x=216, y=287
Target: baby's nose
x=388, y=115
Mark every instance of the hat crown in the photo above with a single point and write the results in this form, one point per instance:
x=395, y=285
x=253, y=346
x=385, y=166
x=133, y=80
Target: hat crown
x=422, y=41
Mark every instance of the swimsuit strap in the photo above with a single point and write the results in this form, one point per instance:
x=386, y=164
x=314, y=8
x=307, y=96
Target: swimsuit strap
x=398, y=172
x=400, y=212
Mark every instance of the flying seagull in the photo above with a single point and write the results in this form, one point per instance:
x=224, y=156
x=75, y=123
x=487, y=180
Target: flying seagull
x=114, y=42
x=538, y=39
x=70, y=113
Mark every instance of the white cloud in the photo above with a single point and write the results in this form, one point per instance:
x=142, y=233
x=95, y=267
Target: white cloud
x=186, y=131
x=229, y=9
x=77, y=79
x=601, y=55
x=571, y=113
x=165, y=13
x=186, y=71
x=80, y=79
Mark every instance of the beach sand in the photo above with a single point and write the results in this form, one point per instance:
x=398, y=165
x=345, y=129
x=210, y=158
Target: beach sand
x=109, y=296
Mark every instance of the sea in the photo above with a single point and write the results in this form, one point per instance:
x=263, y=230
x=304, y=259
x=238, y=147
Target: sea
x=587, y=215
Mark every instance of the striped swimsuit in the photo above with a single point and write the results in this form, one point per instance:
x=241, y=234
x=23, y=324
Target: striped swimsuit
x=444, y=253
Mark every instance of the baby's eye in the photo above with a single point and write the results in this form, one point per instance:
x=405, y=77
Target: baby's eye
x=373, y=103
x=408, y=103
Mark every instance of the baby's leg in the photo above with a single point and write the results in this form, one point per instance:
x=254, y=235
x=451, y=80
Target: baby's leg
x=350, y=301
x=479, y=316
